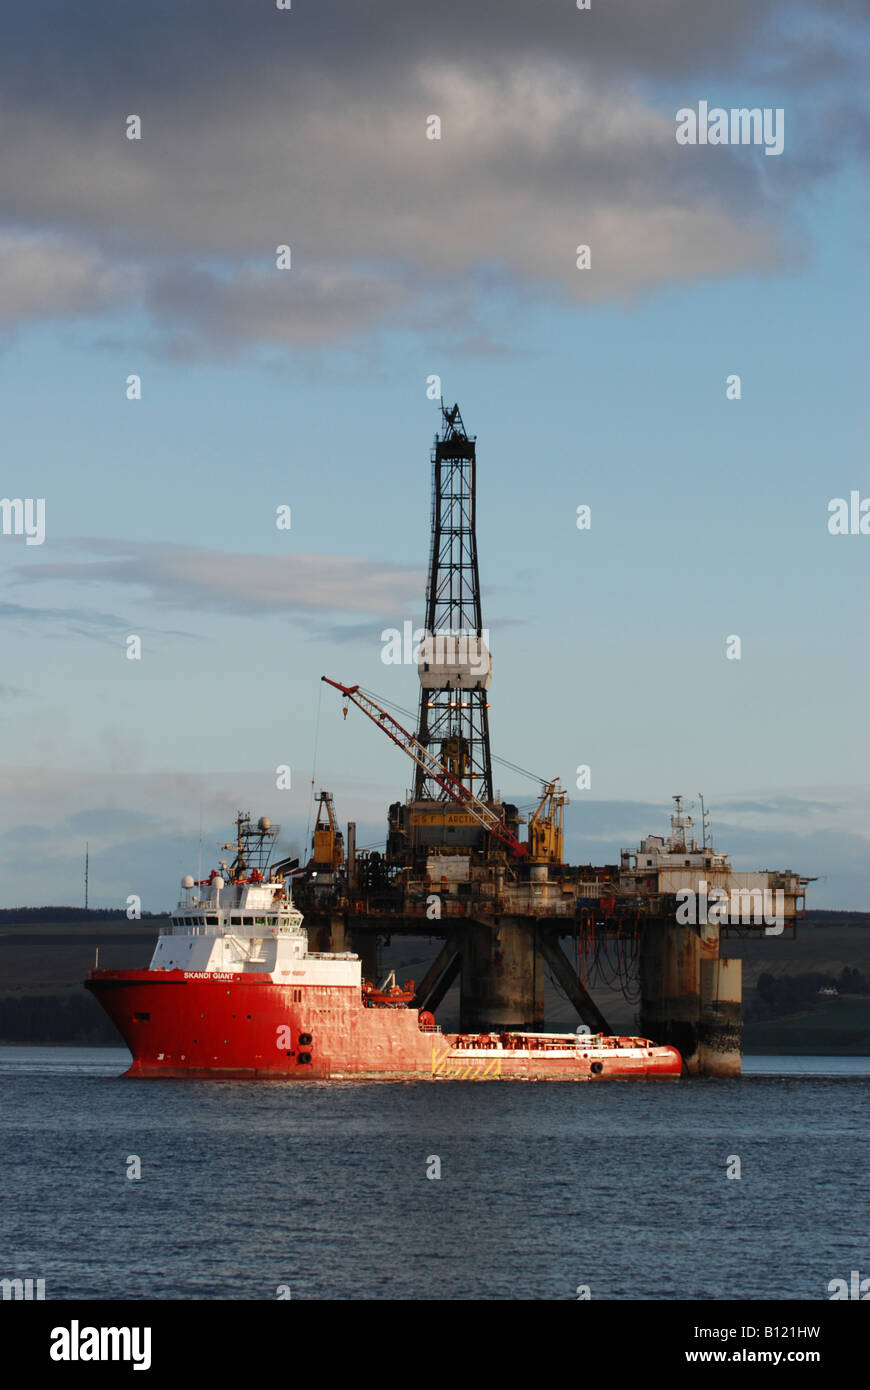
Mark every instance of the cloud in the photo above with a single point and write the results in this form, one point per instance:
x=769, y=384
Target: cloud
x=193, y=578
x=87, y=622
x=92, y=623
x=307, y=127
x=199, y=314
x=216, y=43
x=143, y=830
x=43, y=276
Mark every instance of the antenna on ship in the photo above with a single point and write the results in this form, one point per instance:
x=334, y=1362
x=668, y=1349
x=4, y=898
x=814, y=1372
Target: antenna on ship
x=705, y=822
x=87, y=847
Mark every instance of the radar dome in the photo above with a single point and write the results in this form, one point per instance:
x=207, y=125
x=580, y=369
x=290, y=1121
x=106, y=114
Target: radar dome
x=218, y=883
x=187, y=881
x=264, y=823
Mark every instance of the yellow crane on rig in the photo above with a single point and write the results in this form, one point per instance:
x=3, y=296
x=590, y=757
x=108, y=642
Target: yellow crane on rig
x=545, y=827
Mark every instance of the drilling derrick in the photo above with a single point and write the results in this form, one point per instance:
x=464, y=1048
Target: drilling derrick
x=454, y=665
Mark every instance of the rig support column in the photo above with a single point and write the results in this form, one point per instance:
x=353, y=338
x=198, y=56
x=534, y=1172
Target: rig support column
x=670, y=1001
x=502, y=984
x=690, y=998
x=327, y=932
x=365, y=944
x=351, y=856
x=720, y=1032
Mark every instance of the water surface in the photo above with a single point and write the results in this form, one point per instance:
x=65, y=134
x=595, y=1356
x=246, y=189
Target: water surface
x=322, y=1187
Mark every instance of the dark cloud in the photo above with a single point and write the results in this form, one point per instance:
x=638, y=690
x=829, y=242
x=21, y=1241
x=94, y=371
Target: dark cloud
x=112, y=822
x=166, y=48
x=83, y=620
x=782, y=805
x=201, y=315
x=263, y=127
x=107, y=628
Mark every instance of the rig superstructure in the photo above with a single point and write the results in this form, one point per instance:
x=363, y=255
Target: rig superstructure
x=457, y=867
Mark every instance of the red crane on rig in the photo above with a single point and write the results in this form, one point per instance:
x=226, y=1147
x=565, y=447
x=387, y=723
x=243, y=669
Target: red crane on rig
x=451, y=784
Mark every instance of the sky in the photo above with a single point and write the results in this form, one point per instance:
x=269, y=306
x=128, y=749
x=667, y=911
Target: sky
x=309, y=387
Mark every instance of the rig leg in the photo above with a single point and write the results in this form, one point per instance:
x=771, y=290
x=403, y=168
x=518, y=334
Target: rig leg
x=337, y=934
x=327, y=932
x=502, y=983
x=691, y=998
x=365, y=944
x=670, y=1003
x=720, y=1030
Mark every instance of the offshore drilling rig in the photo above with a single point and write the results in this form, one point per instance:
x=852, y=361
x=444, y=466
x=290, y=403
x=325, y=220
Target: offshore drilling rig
x=456, y=867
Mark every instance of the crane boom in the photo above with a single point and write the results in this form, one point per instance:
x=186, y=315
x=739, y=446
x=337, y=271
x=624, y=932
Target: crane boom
x=482, y=813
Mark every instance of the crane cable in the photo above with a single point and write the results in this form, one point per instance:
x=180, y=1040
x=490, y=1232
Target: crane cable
x=410, y=714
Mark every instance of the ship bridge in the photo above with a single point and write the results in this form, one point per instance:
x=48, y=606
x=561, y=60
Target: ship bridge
x=247, y=908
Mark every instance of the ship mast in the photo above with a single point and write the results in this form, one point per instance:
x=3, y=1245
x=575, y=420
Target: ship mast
x=253, y=847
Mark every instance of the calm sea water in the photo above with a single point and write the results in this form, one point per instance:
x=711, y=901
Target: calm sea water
x=323, y=1187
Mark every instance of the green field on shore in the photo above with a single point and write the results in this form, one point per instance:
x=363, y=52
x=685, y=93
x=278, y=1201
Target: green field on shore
x=838, y=1027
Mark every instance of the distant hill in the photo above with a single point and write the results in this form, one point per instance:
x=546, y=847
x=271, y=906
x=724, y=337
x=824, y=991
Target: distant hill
x=23, y=915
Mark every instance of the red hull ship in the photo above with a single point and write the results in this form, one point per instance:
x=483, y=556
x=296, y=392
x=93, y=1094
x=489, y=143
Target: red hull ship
x=233, y=991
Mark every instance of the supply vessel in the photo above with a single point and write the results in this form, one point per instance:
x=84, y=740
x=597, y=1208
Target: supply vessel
x=233, y=991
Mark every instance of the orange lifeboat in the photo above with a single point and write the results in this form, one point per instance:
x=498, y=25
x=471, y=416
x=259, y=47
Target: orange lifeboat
x=389, y=995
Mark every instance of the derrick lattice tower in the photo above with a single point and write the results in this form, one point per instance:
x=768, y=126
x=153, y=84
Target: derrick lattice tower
x=455, y=665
